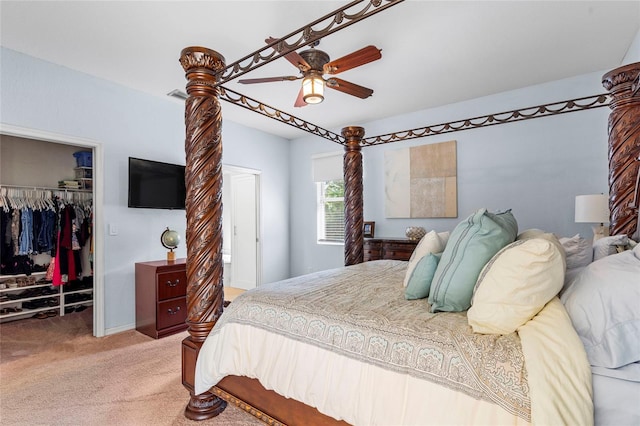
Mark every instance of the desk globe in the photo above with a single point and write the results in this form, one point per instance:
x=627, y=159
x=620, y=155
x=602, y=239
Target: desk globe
x=170, y=240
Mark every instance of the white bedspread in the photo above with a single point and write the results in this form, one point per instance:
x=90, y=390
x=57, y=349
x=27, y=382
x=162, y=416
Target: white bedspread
x=391, y=362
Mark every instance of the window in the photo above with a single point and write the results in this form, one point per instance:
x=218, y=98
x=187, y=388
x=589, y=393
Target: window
x=331, y=211
x=327, y=173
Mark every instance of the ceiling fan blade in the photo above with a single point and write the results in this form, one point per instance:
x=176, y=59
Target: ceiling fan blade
x=268, y=79
x=292, y=57
x=352, y=60
x=349, y=88
x=299, y=100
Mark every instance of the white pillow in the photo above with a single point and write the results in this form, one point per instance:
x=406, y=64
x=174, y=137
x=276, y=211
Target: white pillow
x=444, y=236
x=515, y=285
x=578, y=251
x=603, y=302
x=537, y=233
x=430, y=243
x=606, y=246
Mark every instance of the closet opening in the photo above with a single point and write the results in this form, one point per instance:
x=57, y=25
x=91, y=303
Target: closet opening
x=51, y=207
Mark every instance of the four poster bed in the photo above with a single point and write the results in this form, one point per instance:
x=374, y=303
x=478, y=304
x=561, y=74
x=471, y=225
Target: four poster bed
x=318, y=350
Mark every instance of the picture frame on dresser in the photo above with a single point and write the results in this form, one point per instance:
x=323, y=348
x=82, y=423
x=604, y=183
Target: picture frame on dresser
x=369, y=229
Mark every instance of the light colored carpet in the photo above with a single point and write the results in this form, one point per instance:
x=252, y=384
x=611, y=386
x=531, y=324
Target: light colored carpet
x=53, y=372
x=230, y=293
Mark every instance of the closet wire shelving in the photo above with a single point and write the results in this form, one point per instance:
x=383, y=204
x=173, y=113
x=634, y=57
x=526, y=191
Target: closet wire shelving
x=22, y=290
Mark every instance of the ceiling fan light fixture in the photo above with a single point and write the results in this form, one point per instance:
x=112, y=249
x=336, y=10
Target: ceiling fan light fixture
x=313, y=88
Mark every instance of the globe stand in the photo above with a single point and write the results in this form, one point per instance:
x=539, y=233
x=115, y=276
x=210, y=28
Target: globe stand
x=170, y=240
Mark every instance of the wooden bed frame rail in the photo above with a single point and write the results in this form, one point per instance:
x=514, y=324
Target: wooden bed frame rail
x=269, y=406
x=203, y=147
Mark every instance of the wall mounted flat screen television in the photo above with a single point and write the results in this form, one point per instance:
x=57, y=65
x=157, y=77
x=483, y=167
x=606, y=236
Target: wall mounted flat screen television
x=156, y=185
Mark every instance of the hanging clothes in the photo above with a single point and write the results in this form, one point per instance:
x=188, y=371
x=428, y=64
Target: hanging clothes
x=56, y=275
x=45, y=236
x=26, y=232
x=34, y=224
x=6, y=242
x=15, y=231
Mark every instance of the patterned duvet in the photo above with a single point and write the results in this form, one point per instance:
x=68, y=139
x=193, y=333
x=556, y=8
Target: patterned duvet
x=347, y=342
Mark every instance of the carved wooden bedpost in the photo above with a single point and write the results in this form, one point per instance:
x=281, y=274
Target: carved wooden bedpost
x=624, y=146
x=353, y=198
x=203, y=178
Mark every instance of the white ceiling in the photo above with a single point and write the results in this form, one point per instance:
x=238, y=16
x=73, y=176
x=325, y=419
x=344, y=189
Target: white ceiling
x=433, y=52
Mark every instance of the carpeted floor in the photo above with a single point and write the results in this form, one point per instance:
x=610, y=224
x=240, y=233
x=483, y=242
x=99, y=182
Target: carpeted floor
x=54, y=372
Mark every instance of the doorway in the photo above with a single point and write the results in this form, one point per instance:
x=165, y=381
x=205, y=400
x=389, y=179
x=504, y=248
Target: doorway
x=97, y=196
x=241, y=228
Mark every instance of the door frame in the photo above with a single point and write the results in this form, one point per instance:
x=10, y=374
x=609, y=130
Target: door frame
x=98, y=208
x=257, y=174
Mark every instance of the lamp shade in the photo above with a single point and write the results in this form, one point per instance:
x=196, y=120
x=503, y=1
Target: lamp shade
x=592, y=208
x=313, y=88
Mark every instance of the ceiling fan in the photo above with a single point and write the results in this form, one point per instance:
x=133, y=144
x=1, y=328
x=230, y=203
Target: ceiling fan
x=313, y=64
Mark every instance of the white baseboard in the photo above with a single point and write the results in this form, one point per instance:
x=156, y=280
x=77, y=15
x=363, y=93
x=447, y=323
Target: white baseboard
x=114, y=330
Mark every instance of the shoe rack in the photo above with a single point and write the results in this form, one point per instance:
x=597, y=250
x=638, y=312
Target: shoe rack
x=33, y=296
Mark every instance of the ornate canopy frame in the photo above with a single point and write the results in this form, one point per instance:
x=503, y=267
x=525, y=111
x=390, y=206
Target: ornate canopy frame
x=206, y=71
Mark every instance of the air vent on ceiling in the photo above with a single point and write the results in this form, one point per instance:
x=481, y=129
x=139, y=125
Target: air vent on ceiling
x=178, y=94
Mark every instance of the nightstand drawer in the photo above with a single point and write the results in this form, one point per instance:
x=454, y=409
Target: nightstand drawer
x=161, y=302
x=373, y=254
x=172, y=284
x=396, y=254
x=394, y=249
x=398, y=251
x=372, y=250
x=172, y=312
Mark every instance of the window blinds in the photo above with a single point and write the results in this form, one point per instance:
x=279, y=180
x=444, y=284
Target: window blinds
x=327, y=167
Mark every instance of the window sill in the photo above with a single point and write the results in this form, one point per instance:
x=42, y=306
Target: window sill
x=330, y=243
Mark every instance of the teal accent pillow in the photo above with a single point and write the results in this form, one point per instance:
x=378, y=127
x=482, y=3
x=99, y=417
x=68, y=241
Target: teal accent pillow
x=471, y=245
x=420, y=279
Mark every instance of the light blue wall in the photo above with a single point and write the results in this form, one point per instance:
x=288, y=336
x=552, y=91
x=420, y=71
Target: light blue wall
x=43, y=96
x=535, y=167
x=306, y=255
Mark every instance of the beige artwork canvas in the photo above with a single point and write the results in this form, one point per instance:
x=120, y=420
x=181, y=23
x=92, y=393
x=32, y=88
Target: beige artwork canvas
x=420, y=181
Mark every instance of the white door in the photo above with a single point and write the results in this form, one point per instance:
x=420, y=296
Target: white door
x=244, y=223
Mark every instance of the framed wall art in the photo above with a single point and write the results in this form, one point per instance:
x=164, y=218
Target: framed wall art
x=421, y=181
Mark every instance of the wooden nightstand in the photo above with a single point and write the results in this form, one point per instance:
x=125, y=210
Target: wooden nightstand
x=161, y=297
x=388, y=248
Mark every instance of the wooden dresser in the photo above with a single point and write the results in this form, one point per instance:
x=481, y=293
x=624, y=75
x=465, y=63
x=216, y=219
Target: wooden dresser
x=161, y=297
x=388, y=248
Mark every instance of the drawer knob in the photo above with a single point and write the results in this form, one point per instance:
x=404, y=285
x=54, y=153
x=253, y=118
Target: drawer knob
x=173, y=284
x=172, y=312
